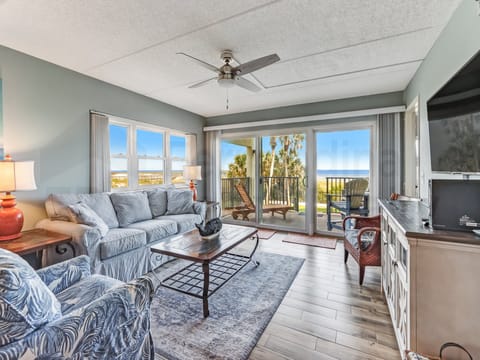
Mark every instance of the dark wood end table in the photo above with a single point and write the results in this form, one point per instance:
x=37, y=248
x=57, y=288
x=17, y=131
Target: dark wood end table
x=37, y=240
x=197, y=279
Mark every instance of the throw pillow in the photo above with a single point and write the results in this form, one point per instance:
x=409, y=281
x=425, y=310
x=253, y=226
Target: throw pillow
x=81, y=213
x=179, y=202
x=131, y=207
x=158, y=201
x=26, y=303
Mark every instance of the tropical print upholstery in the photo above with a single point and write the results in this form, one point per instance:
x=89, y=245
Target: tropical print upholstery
x=26, y=303
x=352, y=237
x=102, y=318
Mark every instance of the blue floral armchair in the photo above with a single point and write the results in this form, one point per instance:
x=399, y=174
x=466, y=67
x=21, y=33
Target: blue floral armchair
x=72, y=314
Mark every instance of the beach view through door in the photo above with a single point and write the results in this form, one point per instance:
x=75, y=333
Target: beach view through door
x=343, y=176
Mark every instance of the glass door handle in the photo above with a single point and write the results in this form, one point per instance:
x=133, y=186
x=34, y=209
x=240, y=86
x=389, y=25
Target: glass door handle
x=305, y=180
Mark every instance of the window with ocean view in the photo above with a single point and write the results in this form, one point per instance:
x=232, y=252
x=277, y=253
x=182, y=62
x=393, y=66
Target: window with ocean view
x=146, y=155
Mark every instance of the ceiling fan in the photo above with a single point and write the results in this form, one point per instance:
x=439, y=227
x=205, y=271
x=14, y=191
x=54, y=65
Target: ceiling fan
x=228, y=75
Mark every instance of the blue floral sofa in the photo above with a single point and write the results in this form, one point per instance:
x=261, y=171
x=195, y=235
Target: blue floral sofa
x=65, y=312
x=116, y=230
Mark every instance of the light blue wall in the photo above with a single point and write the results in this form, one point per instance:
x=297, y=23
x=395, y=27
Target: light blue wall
x=325, y=107
x=46, y=119
x=457, y=43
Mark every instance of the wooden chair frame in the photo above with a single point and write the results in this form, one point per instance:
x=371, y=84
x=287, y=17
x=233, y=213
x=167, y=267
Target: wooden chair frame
x=371, y=256
x=249, y=206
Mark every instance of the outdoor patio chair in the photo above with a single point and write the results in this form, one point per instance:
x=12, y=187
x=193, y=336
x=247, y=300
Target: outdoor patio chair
x=353, y=200
x=362, y=241
x=249, y=207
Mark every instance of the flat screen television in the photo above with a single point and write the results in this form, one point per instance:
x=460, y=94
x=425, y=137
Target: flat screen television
x=454, y=122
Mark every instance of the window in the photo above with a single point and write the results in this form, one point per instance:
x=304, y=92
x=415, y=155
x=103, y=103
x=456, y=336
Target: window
x=178, y=152
x=118, y=156
x=142, y=155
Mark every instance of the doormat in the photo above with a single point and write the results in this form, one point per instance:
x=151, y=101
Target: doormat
x=265, y=234
x=319, y=241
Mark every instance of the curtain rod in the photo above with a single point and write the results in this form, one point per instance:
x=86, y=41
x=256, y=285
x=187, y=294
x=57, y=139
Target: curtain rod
x=300, y=119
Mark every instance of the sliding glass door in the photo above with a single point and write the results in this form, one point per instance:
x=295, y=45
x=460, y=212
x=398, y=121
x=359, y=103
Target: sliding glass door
x=304, y=181
x=283, y=180
x=342, y=176
x=238, y=179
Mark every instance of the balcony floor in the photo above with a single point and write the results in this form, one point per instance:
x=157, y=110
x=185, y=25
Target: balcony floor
x=293, y=220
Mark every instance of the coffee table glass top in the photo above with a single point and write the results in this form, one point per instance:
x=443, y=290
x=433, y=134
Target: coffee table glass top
x=191, y=246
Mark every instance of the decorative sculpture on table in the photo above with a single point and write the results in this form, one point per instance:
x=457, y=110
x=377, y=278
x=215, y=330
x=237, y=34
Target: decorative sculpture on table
x=211, y=230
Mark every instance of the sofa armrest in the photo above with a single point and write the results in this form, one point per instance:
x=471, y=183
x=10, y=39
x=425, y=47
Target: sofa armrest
x=85, y=238
x=60, y=276
x=114, y=326
x=200, y=208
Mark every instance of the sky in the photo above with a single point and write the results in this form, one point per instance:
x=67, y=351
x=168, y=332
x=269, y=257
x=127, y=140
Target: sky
x=337, y=150
x=148, y=143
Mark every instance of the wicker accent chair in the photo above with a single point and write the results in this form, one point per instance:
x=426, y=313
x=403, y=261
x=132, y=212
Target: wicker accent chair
x=363, y=241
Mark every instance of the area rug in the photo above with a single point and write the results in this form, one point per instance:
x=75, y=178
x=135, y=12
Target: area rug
x=319, y=241
x=265, y=234
x=239, y=312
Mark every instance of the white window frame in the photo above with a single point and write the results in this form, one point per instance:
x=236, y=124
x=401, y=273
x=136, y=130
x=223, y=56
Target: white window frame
x=133, y=158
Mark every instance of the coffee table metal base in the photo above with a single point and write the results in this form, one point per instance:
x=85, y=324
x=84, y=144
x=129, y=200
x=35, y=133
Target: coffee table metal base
x=202, y=279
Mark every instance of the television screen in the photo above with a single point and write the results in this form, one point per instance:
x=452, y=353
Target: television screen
x=455, y=205
x=454, y=122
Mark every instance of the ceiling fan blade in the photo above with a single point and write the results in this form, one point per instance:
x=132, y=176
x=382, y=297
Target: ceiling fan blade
x=201, y=62
x=256, y=64
x=201, y=83
x=246, y=84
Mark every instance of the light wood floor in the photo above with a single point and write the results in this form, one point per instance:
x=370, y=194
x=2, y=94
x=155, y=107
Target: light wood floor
x=326, y=314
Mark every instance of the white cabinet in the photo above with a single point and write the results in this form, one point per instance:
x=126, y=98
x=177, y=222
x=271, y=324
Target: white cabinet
x=431, y=283
x=395, y=284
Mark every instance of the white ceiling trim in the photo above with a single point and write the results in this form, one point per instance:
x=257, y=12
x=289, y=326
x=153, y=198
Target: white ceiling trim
x=300, y=119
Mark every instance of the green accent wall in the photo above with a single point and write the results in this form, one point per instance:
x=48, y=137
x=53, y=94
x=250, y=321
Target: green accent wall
x=458, y=42
x=46, y=119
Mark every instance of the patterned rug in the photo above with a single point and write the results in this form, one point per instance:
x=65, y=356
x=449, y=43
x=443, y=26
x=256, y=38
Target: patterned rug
x=265, y=234
x=320, y=241
x=239, y=312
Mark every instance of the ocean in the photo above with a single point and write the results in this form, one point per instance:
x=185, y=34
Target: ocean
x=346, y=173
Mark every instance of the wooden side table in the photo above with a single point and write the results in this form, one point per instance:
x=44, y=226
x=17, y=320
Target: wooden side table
x=37, y=240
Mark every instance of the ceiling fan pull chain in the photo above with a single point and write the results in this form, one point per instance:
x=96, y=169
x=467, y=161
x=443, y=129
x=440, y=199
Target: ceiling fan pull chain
x=227, y=98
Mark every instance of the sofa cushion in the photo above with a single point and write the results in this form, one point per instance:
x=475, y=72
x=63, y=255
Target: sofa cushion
x=26, y=303
x=185, y=222
x=131, y=207
x=119, y=241
x=157, y=200
x=156, y=229
x=81, y=213
x=179, y=202
x=85, y=291
x=57, y=206
x=351, y=235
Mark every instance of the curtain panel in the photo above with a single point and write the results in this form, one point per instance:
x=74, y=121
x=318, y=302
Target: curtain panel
x=389, y=154
x=99, y=153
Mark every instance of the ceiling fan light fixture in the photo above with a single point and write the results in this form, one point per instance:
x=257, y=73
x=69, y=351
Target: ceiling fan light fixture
x=226, y=82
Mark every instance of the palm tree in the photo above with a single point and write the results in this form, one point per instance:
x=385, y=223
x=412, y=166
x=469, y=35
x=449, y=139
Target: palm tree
x=273, y=145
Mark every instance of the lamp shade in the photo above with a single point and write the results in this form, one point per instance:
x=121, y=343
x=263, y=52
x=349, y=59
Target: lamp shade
x=17, y=176
x=192, y=172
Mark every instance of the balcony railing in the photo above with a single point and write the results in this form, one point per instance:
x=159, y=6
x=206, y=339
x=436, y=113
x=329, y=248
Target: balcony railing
x=276, y=190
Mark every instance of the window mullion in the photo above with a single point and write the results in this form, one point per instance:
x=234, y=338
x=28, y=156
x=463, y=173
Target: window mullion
x=132, y=157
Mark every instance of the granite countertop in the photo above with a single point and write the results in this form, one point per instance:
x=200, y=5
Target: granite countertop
x=409, y=215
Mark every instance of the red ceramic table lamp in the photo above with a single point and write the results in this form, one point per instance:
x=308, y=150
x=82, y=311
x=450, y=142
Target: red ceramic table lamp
x=192, y=172
x=14, y=176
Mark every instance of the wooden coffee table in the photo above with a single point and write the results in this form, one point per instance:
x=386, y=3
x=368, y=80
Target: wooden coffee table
x=212, y=264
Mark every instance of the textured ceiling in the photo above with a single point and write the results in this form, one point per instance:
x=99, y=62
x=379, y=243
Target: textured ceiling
x=329, y=49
